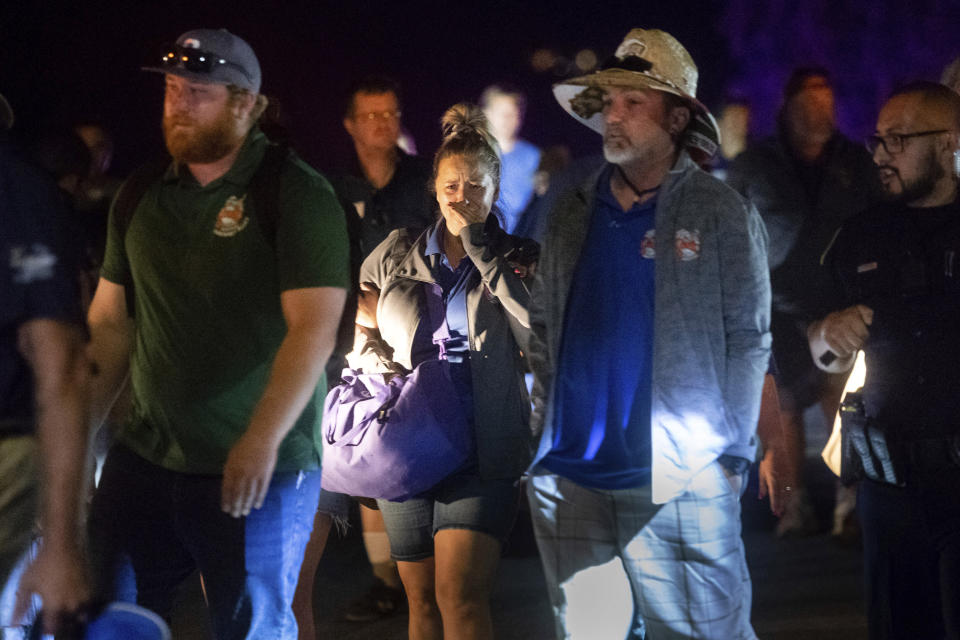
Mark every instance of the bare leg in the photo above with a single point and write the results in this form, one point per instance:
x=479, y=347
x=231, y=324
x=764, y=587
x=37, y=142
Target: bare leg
x=466, y=567
x=798, y=517
x=303, y=596
x=418, y=580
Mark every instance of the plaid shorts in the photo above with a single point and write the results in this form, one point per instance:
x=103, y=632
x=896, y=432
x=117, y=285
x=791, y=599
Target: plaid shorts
x=618, y=565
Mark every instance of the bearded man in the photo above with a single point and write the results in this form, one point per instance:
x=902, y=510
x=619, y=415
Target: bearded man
x=895, y=265
x=224, y=327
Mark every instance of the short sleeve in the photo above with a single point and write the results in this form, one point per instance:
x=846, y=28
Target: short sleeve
x=116, y=266
x=44, y=262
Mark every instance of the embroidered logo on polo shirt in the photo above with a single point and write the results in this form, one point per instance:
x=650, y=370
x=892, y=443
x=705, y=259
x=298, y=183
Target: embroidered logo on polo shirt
x=230, y=220
x=687, y=244
x=648, y=246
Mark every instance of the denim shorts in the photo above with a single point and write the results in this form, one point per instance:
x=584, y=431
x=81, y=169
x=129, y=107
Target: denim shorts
x=461, y=501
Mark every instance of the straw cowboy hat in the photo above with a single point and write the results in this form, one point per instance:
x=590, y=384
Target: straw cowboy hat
x=646, y=59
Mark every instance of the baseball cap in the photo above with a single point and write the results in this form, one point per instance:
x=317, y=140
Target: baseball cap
x=211, y=55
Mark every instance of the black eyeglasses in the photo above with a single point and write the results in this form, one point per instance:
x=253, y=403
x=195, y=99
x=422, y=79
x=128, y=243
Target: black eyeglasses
x=893, y=143
x=196, y=60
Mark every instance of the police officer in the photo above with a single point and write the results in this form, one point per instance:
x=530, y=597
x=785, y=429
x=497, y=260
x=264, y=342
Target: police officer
x=899, y=270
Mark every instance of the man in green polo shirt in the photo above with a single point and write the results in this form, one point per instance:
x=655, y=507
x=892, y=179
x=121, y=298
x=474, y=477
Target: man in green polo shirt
x=235, y=308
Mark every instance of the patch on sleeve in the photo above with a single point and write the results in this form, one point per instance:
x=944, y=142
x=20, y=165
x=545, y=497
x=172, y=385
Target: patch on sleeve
x=687, y=244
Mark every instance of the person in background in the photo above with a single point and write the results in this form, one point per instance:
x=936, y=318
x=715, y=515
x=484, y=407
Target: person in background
x=505, y=109
x=447, y=541
x=805, y=181
x=387, y=187
x=43, y=424
x=650, y=322
x=222, y=307
x=951, y=75
x=734, y=122
x=900, y=303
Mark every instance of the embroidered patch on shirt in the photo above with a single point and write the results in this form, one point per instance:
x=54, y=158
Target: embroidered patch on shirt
x=33, y=264
x=648, y=246
x=867, y=266
x=687, y=244
x=230, y=220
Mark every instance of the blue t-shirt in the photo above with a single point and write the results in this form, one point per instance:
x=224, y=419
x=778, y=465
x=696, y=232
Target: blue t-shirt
x=516, y=182
x=603, y=382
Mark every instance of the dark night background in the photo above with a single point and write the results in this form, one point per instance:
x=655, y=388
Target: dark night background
x=63, y=61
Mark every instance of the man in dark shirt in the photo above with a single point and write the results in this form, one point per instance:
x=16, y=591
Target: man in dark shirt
x=805, y=181
x=388, y=190
x=387, y=187
x=42, y=424
x=896, y=266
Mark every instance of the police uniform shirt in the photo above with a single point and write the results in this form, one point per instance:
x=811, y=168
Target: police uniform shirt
x=904, y=263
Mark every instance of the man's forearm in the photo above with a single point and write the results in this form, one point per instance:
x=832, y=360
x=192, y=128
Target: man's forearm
x=62, y=431
x=60, y=373
x=109, y=357
x=296, y=369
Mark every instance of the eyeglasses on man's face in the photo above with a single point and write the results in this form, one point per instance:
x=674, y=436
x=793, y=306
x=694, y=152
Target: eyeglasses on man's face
x=893, y=143
x=386, y=116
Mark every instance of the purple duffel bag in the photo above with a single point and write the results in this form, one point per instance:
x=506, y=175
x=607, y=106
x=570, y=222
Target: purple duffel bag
x=396, y=439
x=394, y=436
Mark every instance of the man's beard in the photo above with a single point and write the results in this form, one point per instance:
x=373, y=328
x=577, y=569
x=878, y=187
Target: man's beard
x=620, y=152
x=201, y=144
x=921, y=186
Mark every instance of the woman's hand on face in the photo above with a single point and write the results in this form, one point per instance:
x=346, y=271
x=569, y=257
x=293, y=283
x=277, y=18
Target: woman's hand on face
x=367, y=298
x=470, y=211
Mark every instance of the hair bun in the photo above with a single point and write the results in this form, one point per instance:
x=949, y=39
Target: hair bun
x=466, y=119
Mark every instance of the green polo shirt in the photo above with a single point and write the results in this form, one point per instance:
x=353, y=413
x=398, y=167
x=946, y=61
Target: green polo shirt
x=208, y=319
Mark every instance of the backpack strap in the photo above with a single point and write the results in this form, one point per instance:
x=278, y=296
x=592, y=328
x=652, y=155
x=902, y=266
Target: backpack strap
x=264, y=188
x=128, y=199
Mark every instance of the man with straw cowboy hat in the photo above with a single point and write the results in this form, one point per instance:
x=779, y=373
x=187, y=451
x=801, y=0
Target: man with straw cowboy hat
x=650, y=315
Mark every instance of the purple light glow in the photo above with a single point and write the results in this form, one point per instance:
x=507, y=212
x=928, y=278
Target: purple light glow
x=869, y=48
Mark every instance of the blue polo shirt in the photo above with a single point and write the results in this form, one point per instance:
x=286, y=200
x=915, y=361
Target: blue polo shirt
x=603, y=382
x=453, y=282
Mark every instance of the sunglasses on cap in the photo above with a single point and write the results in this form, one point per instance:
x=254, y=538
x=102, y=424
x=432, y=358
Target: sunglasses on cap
x=195, y=60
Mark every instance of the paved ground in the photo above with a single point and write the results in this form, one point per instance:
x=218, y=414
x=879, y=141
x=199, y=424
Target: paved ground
x=804, y=588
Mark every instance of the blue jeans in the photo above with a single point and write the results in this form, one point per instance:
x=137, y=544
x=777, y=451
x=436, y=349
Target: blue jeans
x=150, y=528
